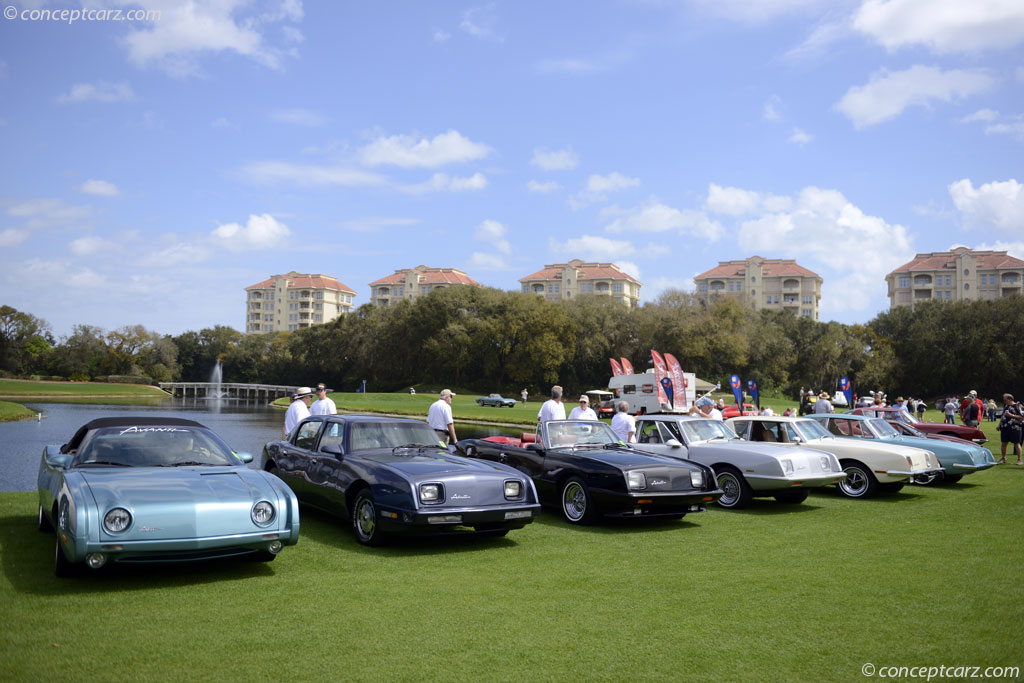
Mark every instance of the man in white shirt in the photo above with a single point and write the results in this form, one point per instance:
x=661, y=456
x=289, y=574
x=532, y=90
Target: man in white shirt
x=439, y=417
x=323, y=405
x=822, y=405
x=298, y=410
x=623, y=423
x=767, y=412
x=707, y=409
x=583, y=411
x=552, y=408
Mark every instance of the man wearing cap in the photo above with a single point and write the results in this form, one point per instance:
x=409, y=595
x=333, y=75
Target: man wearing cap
x=552, y=408
x=971, y=414
x=823, y=405
x=322, y=405
x=707, y=409
x=583, y=411
x=298, y=410
x=439, y=417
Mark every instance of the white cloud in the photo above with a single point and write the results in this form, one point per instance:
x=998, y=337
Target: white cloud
x=83, y=246
x=299, y=117
x=442, y=182
x=12, y=238
x=598, y=187
x=261, y=232
x=480, y=22
x=570, y=66
x=888, y=93
x=755, y=11
x=1014, y=127
x=771, y=109
x=100, y=91
x=653, y=216
x=821, y=38
x=555, y=160
x=441, y=36
x=539, y=187
x=996, y=204
x=1012, y=248
x=980, y=115
x=187, y=30
x=272, y=172
x=378, y=223
x=734, y=201
x=100, y=188
x=825, y=227
x=485, y=261
x=942, y=25
x=48, y=212
x=629, y=267
x=222, y=123
x=592, y=247
x=494, y=232
x=408, y=151
x=800, y=137
x=185, y=253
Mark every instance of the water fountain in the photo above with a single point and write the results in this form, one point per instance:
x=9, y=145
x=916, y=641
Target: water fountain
x=216, y=382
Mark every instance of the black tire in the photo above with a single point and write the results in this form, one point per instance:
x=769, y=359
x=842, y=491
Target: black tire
x=860, y=481
x=792, y=496
x=485, y=532
x=262, y=556
x=576, y=502
x=62, y=568
x=365, y=524
x=891, y=488
x=737, y=491
x=952, y=478
x=44, y=522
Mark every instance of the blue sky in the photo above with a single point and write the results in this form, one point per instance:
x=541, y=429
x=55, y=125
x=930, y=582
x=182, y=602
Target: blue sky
x=153, y=169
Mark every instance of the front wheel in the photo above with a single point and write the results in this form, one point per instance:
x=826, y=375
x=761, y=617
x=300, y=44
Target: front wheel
x=577, y=505
x=952, y=478
x=364, y=520
x=62, y=568
x=792, y=496
x=737, y=493
x=860, y=482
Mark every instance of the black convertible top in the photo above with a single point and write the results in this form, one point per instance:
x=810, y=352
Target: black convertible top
x=124, y=422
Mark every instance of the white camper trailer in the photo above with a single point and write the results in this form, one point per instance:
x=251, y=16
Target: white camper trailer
x=641, y=391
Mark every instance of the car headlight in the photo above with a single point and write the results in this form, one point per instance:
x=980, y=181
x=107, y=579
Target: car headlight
x=262, y=513
x=637, y=480
x=697, y=479
x=117, y=520
x=513, y=489
x=826, y=464
x=787, y=466
x=430, y=493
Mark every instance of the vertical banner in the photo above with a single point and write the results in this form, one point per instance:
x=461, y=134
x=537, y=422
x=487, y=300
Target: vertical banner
x=737, y=391
x=847, y=389
x=752, y=388
x=675, y=371
x=666, y=386
x=660, y=373
x=616, y=368
x=627, y=367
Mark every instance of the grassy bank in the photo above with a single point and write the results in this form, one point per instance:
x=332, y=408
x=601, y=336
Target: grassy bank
x=10, y=412
x=812, y=592
x=33, y=390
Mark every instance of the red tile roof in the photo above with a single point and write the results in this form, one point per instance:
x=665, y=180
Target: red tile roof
x=431, y=276
x=945, y=260
x=305, y=280
x=770, y=268
x=587, y=271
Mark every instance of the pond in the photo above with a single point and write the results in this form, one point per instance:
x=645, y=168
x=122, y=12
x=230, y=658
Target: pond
x=244, y=425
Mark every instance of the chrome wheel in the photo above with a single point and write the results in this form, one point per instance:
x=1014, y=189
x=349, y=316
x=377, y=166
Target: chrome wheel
x=364, y=519
x=576, y=503
x=859, y=482
x=737, y=492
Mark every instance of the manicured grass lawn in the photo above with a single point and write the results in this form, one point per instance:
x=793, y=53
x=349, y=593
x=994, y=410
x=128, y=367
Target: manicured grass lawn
x=10, y=412
x=16, y=388
x=928, y=576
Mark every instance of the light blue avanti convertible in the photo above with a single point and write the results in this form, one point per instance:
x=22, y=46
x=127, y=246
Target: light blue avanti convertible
x=957, y=458
x=152, y=489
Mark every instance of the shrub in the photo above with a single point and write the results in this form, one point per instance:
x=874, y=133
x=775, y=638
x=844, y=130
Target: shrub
x=127, y=379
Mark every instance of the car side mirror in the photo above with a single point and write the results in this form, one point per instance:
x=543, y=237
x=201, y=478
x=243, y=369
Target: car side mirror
x=673, y=443
x=796, y=439
x=244, y=457
x=54, y=458
x=452, y=448
x=333, y=449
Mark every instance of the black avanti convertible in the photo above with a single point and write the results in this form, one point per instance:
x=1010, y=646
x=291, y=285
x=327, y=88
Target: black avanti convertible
x=582, y=468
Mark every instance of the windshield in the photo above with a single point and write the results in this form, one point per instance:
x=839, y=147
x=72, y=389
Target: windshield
x=881, y=428
x=704, y=430
x=153, y=446
x=811, y=429
x=579, y=432
x=367, y=436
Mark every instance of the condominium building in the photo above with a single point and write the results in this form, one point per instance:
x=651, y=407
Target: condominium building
x=761, y=283
x=575, y=278
x=410, y=283
x=957, y=275
x=293, y=301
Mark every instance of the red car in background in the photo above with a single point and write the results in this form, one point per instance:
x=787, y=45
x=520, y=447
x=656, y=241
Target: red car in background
x=899, y=415
x=734, y=411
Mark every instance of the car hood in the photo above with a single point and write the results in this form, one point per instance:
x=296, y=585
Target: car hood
x=432, y=463
x=623, y=458
x=964, y=451
x=861, y=449
x=183, y=502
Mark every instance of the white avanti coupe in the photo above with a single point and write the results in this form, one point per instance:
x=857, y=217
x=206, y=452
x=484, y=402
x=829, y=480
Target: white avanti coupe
x=743, y=469
x=870, y=467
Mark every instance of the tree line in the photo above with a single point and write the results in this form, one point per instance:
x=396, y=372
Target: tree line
x=488, y=340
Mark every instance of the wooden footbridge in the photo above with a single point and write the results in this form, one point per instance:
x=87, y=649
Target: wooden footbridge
x=267, y=392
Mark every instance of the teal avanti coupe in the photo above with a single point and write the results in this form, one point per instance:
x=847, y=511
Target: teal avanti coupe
x=957, y=458
x=158, y=489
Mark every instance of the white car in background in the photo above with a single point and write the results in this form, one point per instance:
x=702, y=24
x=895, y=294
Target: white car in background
x=870, y=467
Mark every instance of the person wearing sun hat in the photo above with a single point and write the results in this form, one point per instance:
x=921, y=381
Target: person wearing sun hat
x=583, y=411
x=823, y=405
x=439, y=417
x=298, y=410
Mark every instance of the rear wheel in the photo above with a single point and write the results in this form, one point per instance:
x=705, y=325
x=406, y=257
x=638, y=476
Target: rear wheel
x=737, y=493
x=952, y=478
x=44, y=523
x=891, y=488
x=364, y=520
x=577, y=505
x=792, y=496
x=860, y=482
